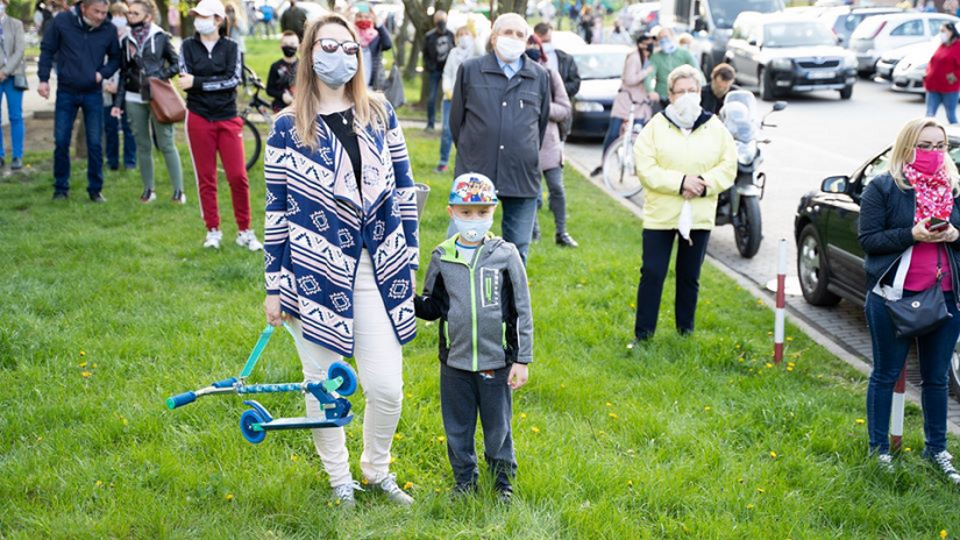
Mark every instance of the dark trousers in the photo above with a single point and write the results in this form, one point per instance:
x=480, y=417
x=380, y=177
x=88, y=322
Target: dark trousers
x=67, y=105
x=111, y=131
x=518, y=215
x=657, y=248
x=935, y=351
x=436, y=77
x=463, y=394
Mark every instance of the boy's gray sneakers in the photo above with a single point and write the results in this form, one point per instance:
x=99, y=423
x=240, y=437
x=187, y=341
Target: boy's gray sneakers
x=944, y=462
x=343, y=494
x=388, y=485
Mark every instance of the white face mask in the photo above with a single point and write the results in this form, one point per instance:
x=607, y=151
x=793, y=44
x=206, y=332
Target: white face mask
x=687, y=107
x=510, y=49
x=205, y=26
x=944, y=37
x=119, y=22
x=549, y=48
x=466, y=43
x=473, y=230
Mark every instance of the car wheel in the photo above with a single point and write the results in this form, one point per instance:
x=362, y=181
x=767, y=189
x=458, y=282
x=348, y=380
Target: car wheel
x=812, y=269
x=767, y=90
x=847, y=92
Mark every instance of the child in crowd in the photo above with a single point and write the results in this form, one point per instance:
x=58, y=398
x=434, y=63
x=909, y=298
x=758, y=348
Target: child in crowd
x=283, y=72
x=476, y=285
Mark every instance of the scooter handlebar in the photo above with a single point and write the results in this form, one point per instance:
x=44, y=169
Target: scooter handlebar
x=180, y=400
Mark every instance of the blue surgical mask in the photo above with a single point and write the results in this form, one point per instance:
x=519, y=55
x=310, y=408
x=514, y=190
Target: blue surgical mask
x=668, y=46
x=473, y=230
x=334, y=69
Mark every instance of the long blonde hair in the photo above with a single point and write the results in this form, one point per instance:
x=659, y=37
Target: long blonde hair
x=905, y=146
x=368, y=107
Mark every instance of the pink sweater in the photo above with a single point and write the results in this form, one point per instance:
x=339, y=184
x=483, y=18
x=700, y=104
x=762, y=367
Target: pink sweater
x=923, y=268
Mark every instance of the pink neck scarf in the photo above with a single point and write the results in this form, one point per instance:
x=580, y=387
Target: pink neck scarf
x=934, y=193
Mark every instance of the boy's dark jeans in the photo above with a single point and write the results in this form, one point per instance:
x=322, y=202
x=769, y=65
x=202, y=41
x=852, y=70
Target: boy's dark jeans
x=462, y=395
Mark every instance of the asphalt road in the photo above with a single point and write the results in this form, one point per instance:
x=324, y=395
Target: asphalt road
x=817, y=136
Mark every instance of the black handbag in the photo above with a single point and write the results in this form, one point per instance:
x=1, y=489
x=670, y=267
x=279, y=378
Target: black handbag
x=922, y=313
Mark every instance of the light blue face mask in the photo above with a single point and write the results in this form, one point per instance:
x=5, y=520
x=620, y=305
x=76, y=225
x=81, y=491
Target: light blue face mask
x=668, y=46
x=334, y=69
x=473, y=230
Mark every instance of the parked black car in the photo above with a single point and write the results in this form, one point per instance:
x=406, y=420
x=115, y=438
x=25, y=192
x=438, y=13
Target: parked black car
x=780, y=53
x=826, y=230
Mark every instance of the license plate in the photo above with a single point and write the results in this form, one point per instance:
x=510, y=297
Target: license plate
x=817, y=75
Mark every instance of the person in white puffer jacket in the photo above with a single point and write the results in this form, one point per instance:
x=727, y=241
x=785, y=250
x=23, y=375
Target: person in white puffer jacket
x=466, y=49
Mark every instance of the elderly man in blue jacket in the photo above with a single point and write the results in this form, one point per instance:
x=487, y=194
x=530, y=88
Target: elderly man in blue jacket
x=498, y=116
x=80, y=40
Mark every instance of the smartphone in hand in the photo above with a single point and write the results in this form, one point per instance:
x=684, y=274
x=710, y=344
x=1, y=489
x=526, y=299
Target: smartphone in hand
x=937, y=225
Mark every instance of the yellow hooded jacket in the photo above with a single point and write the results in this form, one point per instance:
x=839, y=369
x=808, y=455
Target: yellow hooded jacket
x=664, y=154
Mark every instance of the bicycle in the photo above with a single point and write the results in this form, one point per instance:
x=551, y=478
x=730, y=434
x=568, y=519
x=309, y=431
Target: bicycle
x=619, y=169
x=257, y=107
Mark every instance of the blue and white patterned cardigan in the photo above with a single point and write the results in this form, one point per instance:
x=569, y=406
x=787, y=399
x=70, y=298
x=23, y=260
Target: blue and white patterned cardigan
x=315, y=217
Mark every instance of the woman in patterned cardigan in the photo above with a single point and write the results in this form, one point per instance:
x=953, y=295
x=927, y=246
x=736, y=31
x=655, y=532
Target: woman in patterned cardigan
x=341, y=243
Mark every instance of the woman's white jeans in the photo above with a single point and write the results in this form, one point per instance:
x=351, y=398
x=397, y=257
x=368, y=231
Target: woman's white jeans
x=379, y=359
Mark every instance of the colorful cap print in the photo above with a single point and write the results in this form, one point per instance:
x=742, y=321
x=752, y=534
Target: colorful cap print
x=473, y=189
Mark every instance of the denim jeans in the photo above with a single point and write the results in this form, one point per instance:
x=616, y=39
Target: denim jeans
x=935, y=351
x=657, y=248
x=67, y=105
x=463, y=395
x=111, y=129
x=436, y=77
x=949, y=102
x=446, y=138
x=517, y=217
x=15, y=112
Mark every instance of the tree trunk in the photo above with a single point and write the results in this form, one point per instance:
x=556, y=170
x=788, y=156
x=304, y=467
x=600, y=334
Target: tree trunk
x=161, y=17
x=512, y=6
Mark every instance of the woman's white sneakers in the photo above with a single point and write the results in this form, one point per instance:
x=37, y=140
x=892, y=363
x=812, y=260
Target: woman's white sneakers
x=214, y=236
x=248, y=239
x=343, y=494
x=944, y=462
x=388, y=485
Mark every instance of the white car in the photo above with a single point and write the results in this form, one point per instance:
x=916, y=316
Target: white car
x=890, y=59
x=877, y=35
x=566, y=41
x=910, y=71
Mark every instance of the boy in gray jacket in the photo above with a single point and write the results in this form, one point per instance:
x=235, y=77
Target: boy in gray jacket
x=476, y=285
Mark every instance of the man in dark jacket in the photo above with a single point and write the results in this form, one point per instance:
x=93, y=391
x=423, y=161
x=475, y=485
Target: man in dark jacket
x=714, y=94
x=436, y=46
x=559, y=60
x=293, y=19
x=499, y=114
x=80, y=41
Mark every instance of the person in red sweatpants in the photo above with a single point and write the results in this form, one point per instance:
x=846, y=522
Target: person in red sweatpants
x=210, y=71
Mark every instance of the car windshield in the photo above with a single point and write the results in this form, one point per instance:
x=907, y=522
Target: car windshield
x=796, y=34
x=725, y=12
x=600, y=65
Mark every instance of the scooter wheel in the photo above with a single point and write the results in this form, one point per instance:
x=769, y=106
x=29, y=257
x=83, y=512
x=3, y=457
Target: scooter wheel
x=247, y=420
x=349, y=384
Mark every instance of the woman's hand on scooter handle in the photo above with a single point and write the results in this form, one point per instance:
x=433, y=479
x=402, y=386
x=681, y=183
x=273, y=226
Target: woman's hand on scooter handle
x=271, y=306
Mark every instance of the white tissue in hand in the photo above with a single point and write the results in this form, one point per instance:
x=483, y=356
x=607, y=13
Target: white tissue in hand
x=686, y=220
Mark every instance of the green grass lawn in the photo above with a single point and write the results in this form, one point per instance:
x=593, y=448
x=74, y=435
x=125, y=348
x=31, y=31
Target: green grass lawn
x=108, y=309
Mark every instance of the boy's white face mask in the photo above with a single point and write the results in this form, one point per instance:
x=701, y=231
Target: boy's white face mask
x=473, y=230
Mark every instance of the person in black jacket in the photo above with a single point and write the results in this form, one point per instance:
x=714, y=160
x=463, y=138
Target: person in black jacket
x=210, y=70
x=721, y=83
x=293, y=19
x=436, y=46
x=908, y=231
x=80, y=41
x=283, y=72
x=558, y=60
x=147, y=52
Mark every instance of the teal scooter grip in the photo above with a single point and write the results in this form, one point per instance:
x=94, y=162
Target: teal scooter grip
x=180, y=400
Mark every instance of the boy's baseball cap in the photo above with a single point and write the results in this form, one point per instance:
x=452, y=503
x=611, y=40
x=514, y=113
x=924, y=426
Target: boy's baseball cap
x=209, y=8
x=473, y=189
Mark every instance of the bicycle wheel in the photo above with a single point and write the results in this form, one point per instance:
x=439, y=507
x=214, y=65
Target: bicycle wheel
x=619, y=173
x=251, y=143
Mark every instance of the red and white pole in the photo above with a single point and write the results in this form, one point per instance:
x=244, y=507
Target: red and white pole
x=896, y=410
x=781, y=303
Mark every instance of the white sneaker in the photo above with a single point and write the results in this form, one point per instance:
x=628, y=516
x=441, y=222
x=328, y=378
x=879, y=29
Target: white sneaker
x=944, y=461
x=214, y=237
x=388, y=485
x=248, y=239
x=343, y=495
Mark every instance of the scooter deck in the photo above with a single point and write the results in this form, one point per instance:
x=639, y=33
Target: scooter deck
x=304, y=423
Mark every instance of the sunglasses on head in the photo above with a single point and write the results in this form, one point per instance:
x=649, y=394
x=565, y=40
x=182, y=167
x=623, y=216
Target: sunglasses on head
x=329, y=45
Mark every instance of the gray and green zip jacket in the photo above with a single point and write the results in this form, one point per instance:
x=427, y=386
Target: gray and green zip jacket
x=486, y=321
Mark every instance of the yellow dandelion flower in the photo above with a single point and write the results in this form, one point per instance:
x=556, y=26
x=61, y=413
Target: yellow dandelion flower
x=613, y=415
x=943, y=534
x=790, y=369
x=408, y=486
x=124, y=421
x=409, y=395
x=633, y=306
x=99, y=483
x=39, y=439
x=761, y=490
x=562, y=386
x=94, y=365
x=861, y=421
x=789, y=338
x=393, y=460
x=523, y=416
x=708, y=408
x=441, y=438
x=398, y=436
x=609, y=404
x=601, y=433
x=83, y=364
x=749, y=507
x=535, y=429
x=630, y=483
x=773, y=455
x=768, y=365
x=367, y=482
x=908, y=449
x=82, y=353
x=791, y=364
x=86, y=374
x=229, y=497
x=294, y=458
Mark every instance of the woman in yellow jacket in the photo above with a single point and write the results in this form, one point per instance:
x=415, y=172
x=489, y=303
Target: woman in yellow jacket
x=685, y=158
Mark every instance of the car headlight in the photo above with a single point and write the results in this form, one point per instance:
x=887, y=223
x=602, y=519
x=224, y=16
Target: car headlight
x=746, y=152
x=850, y=62
x=781, y=63
x=922, y=68
x=588, y=106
